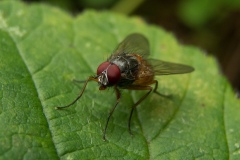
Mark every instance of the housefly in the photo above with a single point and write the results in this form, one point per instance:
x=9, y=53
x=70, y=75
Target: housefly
x=129, y=68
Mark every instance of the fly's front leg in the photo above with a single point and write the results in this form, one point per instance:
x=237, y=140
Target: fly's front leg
x=80, y=95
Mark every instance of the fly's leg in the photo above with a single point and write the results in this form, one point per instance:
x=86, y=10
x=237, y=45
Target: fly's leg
x=149, y=88
x=142, y=98
x=118, y=95
x=158, y=93
x=78, y=81
x=80, y=95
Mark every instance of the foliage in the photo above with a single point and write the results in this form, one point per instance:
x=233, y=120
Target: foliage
x=43, y=48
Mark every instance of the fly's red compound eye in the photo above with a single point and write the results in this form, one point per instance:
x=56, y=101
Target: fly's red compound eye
x=102, y=67
x=113, y=74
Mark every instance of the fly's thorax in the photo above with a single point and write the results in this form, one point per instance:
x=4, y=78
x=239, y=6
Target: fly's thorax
x=127, y=64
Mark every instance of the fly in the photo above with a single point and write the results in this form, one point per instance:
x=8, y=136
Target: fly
x=129, y=68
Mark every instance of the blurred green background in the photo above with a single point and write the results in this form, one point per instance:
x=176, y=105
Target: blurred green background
x=212, y=25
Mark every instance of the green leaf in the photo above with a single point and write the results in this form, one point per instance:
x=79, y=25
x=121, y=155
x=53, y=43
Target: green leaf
x=42, y=49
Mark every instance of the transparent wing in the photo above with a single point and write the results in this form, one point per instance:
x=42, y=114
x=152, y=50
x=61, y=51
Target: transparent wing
x=134, y=43
x=166, y=68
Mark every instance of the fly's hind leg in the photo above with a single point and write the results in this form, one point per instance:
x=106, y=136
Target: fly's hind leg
x=149, y=88
x=158, y=93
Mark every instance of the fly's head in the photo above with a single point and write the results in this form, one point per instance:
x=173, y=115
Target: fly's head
x=108, y=74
